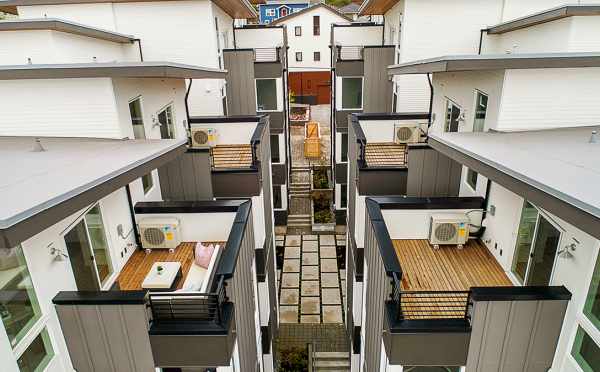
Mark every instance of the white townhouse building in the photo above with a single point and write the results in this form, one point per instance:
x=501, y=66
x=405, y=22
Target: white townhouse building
x=191, y=32
x=309, y=36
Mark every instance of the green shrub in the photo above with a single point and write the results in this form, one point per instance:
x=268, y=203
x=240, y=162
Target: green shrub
x=293, y=360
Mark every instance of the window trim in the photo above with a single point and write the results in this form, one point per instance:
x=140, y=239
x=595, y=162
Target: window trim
x=362, y=93
x=341, y=160
x=299, y=54
x=340, y=207
x=283, y=200
x=446, y=122
x=278, y=149
x=256, y=94
x=140, y=98
x=317, y=25
x=146, y=192
x=475, y=95
x=298, y=31
x=315, y=54
x=172, y=106
x=468, y=181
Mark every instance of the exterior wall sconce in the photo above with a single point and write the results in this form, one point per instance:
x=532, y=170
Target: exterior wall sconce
x=567, y=251
x=58, y=254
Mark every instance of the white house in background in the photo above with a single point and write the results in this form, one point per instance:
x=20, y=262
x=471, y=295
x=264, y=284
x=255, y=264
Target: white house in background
x=309, y=36
x=423, y=29
x=192, y=32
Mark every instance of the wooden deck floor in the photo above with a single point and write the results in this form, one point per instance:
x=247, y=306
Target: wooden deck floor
x=385, y=154
x=231, y=156
x=138, y=266
x=447, y=269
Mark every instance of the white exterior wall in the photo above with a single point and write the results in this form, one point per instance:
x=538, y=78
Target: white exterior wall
x=358, y=36
x=257, y=38
x=45, y=46
x=231, y=133
x=309, y=43
x=517, y=8
x=549, y=98
x=59, y=107
x=174, y=31
x=393, y=26
x=573, y=34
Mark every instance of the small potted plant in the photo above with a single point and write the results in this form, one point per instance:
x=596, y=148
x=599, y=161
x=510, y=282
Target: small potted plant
x=160, y=269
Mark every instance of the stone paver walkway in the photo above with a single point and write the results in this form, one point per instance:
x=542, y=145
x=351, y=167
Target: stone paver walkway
x=311, y=285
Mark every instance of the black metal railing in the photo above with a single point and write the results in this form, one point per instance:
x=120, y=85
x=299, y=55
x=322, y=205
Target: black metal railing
x=432, y=305
x=176, y=306
x=350, y=52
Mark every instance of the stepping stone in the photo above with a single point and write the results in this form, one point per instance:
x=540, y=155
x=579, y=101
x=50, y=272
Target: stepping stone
x=289, y=280
x=311, y=246
x=310, y=319
x=329, y=280
x=341, y=243
x=332, y=314
x=327, y=239
x=279, y=238
x=288, y=314
x=342, y=273
x=310, y=288
x=292, y=252
x=310, y=259
x=291, y=265
x=309, y=238
x=310, y=272
x=341, y=237
x=310, y=305
x=279, y=243
x=292, y=241
x=330, y=296
x=329, y=265
x=344, y=288
x=328, y=252
x=289, y=297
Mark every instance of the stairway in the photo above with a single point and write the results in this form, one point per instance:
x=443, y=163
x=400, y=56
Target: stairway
x=299, y=217
x=300, y=189
x=331, y=361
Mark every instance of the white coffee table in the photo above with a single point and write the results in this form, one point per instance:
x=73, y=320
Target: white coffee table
x=166, y=279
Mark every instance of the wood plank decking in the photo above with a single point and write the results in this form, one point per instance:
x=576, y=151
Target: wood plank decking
x=231, y=156
x=449, y=268
x=138, y=266
x=385, y=155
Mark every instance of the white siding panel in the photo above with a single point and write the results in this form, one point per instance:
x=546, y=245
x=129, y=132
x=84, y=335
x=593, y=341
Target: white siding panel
x=550, y=98
x=584, y=34
x=17, y=46
x=413, y=93
x=97, y=15
x=357, y=36
x=519, y=8
x=65, y=107
x=259, y=37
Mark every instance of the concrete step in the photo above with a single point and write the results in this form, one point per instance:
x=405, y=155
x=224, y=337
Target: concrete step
x=328, y=365
x=331, y=355
x=298, y=217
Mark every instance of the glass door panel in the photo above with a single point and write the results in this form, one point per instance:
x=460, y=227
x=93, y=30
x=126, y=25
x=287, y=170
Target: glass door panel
x=547, y=238
x=165, y=118
x=80, y=256
x=525, y=236
x=101, y=257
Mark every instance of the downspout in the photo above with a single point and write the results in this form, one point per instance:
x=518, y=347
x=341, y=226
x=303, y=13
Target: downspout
x=139, y=42
x=233, y=28
x=332, y=126
x=383, y=32
x=187, y=109
x=430, y=101
x=481, y=40
x=136, y=233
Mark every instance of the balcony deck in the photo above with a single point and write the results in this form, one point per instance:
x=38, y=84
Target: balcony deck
x=385, y=154
x=140, y=263
x=449, y=268
x=231, y=156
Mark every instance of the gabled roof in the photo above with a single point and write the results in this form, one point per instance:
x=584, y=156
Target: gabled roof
x=556, y=169
x=61, y=25
x=114, y=69
x=376, y=7
x=496, y=62
x=239, y=9
x=545, y=16
x=308, y=9
x=71, y=173
x=351, y=8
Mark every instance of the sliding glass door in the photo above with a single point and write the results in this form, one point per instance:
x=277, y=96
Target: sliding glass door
x=537, y=245
x=88, y=251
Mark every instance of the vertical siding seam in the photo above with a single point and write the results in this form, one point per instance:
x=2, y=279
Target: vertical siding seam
x=104, y=337
x=507, y=336
x=129, y=351
x=533, y=334
x=486, y=323
x=84, y=338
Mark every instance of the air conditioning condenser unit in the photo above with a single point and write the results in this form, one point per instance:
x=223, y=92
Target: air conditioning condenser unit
x=160, y=233
x=449, y=229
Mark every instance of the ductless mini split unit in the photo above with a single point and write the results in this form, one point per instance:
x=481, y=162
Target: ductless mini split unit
x=450, y=229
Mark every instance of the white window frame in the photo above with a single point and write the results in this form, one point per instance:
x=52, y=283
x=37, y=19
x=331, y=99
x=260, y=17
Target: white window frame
x=151, y=189
x=140, y=98
x=461, y=110
x=296, y=28
x=277, y=109
x=283, y=198
x=467, y=181
x=281, y=147
x=362, y=93
x=475, y=93
x=270, y=12
x=174, y=117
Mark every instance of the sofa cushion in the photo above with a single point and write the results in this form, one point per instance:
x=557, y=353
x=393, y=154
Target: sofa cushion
x=203, y=254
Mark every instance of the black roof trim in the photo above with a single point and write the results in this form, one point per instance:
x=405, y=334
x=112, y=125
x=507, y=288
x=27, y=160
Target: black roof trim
x=386, y=247
x=528, y=293
x=100, y=298
x=208, y=206
x=378, y=46
x=257, y=26
x=233, y=246
x=231, y=50
x=194, y=328
x=225, y=119
x=411, y=203
x=392, y=116
x=461, y=325
x=358, y=24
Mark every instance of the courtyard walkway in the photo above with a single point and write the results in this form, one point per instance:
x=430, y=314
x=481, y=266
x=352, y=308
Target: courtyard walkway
x=311, y=284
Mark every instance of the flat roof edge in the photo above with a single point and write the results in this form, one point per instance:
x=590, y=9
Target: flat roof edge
x=60, y=25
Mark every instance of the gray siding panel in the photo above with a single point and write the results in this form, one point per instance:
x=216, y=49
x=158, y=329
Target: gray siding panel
x=279, y=174
x=341, y=119
x=107, y=337
x=431, y=173
x=377, y=89
x=377, y=288
x=268, y=69
x=341, y=173
x=277, y=120
x=350, y=68
x=241, y=91
x=515, y=336
x=241, y=292
x=186, y=178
